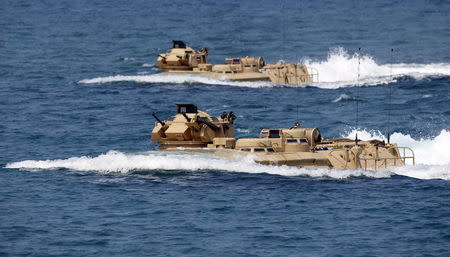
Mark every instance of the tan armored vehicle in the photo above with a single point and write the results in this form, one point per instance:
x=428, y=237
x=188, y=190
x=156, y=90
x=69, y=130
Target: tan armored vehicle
x=197, y=131
x=182, y=59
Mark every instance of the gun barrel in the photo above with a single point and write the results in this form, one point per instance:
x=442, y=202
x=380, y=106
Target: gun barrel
x=156, y=118
x=207, y=123
x=186, y=117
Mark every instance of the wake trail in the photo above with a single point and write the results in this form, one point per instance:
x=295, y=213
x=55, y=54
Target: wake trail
x=432, y=159
x=114, y=161
x=339, y=70
x=432, y=155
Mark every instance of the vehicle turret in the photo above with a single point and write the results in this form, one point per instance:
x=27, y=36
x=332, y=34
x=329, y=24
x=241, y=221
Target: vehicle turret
x=191, y=127
x=182, y=57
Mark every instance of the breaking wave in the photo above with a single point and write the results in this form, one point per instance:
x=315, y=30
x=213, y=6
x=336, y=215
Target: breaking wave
x=337, y=71
x=432, y=159
x=340, y=70
x=429, y=151
x=344, y=97
x=432, y=154
x=114, y=161
x=175, y=79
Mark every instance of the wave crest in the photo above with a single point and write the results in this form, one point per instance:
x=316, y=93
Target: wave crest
x=337, y=71
x=175, y=79
x=432, y=158
x=114, y=161
x=428, y=151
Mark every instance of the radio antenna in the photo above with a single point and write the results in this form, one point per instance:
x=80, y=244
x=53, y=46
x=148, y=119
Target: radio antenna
x=390, y=98
x=283, y=27
x=357, y=94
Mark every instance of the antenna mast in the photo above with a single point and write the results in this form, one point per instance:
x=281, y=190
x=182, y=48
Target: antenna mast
x=390, y=98
x=357, y=94
x=283, y=32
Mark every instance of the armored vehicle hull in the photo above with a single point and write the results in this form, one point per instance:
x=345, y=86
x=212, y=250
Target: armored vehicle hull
x=182, y=59
x=248, y=76
x=197, y=131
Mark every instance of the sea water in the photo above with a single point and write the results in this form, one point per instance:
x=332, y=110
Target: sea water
x=79, y=176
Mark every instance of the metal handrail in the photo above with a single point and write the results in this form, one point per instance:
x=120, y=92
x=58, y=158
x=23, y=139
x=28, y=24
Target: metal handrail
x=309, y=76
x=385, y=159
x=313, y=72
x=411, y=151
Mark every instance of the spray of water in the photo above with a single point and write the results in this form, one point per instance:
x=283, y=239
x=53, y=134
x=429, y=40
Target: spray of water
x=432, y=158
x=337, y=71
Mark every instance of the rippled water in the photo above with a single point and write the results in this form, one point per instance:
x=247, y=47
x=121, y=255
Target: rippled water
x=79, y=175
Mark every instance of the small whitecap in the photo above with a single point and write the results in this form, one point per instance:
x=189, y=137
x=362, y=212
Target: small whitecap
x=342, y=97
x=246, y=131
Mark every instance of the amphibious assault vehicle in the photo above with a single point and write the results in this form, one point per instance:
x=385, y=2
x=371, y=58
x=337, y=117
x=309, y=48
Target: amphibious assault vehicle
x=182, y=59
x=193, y=130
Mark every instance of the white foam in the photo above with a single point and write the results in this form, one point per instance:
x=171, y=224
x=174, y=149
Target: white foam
x=245, y=131
x=176, y=79
x=115, y=161
x=432, y=154
x=337, y=71
x=423, y=171
x=343, y=97
x=341, y=69
x=432, y=159
x=435, y=151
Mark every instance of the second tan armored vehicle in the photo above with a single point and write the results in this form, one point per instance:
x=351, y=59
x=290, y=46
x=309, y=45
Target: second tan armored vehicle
x=197, y=131
x=182, y=59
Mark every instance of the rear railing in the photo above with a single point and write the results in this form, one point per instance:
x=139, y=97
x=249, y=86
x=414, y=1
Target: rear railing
x=383, y=161
x=406, y=150
x=313, y=74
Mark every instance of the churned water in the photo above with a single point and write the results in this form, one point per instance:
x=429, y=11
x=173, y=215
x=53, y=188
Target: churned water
x=79, y=176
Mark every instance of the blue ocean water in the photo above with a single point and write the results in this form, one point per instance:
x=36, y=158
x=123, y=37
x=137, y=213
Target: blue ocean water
x=79, y=176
